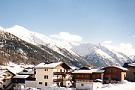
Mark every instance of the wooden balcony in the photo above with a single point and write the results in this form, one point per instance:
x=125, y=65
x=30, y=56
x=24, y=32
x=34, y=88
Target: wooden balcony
x=60, y=79
x=61, y=73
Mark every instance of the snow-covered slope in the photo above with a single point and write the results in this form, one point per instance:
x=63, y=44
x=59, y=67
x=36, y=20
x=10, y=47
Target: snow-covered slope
x=14, y=49
x=100, y=55
x=39, y=39
x=96, y=54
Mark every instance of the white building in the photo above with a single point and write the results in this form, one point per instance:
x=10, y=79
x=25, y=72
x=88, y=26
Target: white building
x=53, y=74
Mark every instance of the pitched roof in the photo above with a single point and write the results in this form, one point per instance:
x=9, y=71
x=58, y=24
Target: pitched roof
x=21, y=76
x=131, y=64
x=27, y=72
x=51, y=65
x=15, y=70
x=89, y=71
x=116, y=66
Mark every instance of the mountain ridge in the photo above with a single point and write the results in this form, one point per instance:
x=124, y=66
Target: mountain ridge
x=93, y=54
x=14, y=49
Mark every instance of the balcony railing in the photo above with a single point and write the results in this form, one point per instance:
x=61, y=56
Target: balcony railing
x=60, y=79
x=61, y=73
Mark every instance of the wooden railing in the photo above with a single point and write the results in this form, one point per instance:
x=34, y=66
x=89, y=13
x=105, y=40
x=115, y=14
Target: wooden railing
x=61, y=73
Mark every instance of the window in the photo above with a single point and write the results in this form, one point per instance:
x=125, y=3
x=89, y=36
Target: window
x=45, y=83
x=4, y=86
x=82, y=84
x=46, y=69
x=60, y=70
x=4, y=80
x=40, y=82
x=45, y=76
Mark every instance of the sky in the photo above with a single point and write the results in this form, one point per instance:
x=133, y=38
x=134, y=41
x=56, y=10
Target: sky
x=87, y=20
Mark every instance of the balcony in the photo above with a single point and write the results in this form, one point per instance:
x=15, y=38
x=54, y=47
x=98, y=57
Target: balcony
x=58, y=80
x=61, y=78
x=61, y=73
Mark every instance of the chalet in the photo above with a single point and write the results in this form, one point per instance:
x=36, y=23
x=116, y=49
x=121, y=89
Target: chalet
x=85, y=78
x=52, y=74
x=131, y=71
x=114, y=74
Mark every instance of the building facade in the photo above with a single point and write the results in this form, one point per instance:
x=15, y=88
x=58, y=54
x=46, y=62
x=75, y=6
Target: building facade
x=54, y=74
x=87, y=79
x=114, y=74
x=131, y=71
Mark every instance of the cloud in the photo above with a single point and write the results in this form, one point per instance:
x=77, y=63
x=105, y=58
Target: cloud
x=1, y=28
x=126, y=45
x=126, y=48
x=68, y=37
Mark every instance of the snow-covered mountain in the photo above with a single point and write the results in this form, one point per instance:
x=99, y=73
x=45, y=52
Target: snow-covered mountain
x=38, y=39
x=100, y=55
x=14, y=49
x=95, y=54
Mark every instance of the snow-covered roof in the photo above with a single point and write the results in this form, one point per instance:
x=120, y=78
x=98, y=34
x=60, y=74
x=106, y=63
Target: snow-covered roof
x=132, y=64
x=82, y=71
x=116, y=66
x=74, y=67
x=89, y=71
x=27, y=72
x=15, y=69
x=97, y=71
x=51, y=65
x=29, y=66
x=21, y=76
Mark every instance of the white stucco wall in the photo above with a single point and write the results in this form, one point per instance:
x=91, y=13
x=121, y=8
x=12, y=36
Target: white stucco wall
x=88, y=85
x=40, y=77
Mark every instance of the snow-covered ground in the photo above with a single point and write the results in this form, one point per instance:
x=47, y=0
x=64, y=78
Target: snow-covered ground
x=121, y=86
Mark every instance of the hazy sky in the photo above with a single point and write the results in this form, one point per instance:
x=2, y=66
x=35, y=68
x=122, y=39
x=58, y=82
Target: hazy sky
x=93, y=20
